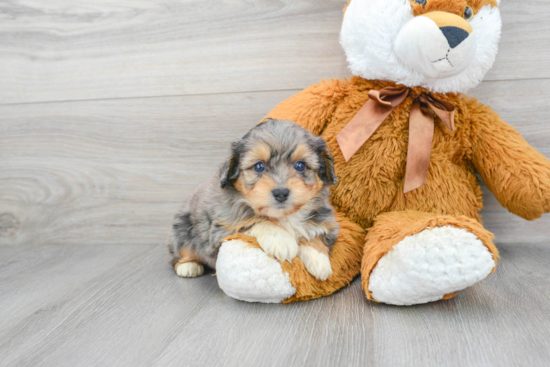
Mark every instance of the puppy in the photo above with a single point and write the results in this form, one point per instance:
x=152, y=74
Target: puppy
x=274, y=187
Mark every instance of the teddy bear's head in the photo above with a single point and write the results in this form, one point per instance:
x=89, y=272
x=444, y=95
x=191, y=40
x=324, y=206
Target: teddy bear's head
x=441, y=45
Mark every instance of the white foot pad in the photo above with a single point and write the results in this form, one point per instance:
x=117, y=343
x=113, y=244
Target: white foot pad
x=316, y=263
x=426, y=266
x=249, y=274
x=190, y=270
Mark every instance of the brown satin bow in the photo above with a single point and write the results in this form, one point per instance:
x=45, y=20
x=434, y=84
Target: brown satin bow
x=421, y=128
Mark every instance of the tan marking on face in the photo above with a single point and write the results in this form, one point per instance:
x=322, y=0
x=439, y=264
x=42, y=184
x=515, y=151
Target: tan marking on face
x=187, y=256
x=317, y=243
x=259, y=195
x=259, y=152
x=302, y=193
x=304, y=153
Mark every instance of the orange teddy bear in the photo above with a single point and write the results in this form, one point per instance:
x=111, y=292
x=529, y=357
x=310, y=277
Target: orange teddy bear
x=407, y=145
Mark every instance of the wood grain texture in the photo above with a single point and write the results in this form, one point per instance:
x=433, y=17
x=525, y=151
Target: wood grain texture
x=156, y=91
x=113, y=49
x=82, y=50
x=111, y=172
x=131, y=309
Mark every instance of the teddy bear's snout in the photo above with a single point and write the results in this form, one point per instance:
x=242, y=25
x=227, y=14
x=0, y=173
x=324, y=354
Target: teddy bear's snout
x=454, y=28
x=436, y=44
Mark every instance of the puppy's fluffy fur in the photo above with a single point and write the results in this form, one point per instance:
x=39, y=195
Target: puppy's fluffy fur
x=274, y=187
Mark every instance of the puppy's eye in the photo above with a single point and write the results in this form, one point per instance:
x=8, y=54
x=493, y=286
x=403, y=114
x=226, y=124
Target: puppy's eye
x=468, y=13
x=300, y=166
x=420, y=2
x=259, y=167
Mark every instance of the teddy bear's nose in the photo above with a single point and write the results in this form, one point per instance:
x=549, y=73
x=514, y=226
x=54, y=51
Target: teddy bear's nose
x=454, y=35
x=454, y=28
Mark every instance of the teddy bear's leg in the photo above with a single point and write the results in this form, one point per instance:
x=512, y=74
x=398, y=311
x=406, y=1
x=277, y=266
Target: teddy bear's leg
x=247, y=273
x=414, y=257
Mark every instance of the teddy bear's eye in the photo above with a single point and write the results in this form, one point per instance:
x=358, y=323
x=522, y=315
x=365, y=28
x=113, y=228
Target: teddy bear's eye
x=421, y=2
x=468, y=13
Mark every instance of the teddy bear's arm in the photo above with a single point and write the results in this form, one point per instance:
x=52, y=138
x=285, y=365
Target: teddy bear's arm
x=311, y=108
x=515, y=172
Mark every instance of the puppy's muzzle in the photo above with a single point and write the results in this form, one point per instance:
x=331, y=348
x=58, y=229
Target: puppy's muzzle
x=281, y=194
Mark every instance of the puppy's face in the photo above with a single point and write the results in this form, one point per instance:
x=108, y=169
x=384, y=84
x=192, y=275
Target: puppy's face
x=278, y=167
x=277, y=183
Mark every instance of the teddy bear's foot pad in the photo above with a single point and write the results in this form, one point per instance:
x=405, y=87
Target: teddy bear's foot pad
x=427, y=266
x=249, y=274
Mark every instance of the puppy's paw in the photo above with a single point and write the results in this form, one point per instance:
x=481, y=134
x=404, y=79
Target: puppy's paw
x=316, y=263
x=190, y=270
x=275, y=241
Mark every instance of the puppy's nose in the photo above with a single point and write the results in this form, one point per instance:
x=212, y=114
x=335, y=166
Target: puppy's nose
x=454, y=35
x=281, y=194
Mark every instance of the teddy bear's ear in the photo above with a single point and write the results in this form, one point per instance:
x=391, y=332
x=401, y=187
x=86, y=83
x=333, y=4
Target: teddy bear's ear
x=230, y=170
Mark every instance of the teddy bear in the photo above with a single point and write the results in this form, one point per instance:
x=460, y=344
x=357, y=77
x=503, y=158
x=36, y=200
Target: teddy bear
x=407, y=145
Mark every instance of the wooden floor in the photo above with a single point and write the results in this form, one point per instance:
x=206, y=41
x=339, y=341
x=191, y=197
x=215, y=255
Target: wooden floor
x=112, y=112
x=111, y=305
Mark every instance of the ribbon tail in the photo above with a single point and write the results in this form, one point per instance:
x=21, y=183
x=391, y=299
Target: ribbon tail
x=421, y=132
x=361, y=127
x=444, y=110
x=369, y=118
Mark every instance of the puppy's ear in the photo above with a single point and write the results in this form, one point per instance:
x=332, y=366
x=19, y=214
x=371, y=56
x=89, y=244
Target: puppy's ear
x=326, y=161
x=230, y=170
x=268, y=119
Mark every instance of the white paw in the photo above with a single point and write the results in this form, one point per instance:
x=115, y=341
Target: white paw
x=316, y=263
x=248, y=274
x=426, y=266
x=190, y=270
x=275, y=241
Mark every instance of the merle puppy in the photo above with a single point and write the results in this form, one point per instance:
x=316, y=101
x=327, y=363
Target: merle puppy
x=274, y=187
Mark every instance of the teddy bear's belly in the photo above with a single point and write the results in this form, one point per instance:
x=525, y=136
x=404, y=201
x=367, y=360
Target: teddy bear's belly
x=372, y=183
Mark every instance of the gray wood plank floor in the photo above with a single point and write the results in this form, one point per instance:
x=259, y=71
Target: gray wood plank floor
x=112, y=305
x=115, y=171
x=111, y=112
x=112, y=49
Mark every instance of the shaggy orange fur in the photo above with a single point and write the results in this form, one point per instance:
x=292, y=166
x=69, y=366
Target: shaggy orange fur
x=345, y=259
x=370, y=189
x=371, y=183
x=454, y=7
